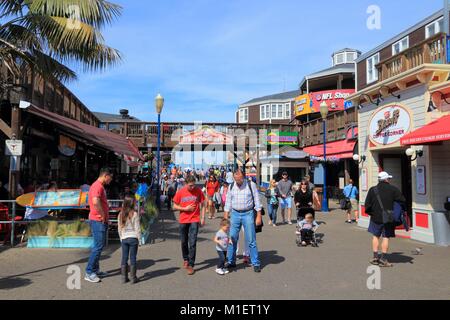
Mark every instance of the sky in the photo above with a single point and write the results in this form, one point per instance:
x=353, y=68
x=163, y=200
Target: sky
x=208, y=56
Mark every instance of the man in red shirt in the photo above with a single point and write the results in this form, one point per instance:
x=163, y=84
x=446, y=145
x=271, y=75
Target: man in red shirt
x=98, y=220
x=189, y=200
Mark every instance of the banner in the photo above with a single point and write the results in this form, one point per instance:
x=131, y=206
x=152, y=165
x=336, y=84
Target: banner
x=310, y=103
x=303, y=105
x=283, y=138
x=67, y=146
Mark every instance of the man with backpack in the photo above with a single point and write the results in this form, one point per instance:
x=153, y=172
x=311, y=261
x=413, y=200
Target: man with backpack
x=379, y=206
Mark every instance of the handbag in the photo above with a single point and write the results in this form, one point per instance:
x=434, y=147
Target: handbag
x=388, y=215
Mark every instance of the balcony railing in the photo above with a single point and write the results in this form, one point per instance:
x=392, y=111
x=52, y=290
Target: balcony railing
x=432, y=50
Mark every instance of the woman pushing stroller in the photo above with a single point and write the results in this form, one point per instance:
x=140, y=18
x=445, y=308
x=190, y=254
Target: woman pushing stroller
x=303, y=199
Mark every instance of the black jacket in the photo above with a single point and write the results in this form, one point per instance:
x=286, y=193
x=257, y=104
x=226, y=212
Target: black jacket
x=269, y=195
x=388, y=194
x=303, y=198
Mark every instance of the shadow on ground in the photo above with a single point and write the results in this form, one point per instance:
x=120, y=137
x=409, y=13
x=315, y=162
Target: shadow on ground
x=13, y=283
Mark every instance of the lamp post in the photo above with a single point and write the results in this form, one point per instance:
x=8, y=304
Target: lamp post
x=324, y=114
x=159, y=104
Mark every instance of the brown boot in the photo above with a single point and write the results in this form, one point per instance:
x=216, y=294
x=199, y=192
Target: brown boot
x=124, y=273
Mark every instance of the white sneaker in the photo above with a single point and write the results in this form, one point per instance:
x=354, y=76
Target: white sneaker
x=290, y=222
x=220, y=271
x=225, y=270
x=92, y=278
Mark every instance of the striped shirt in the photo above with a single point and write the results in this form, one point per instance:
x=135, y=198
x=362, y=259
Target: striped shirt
x=240, y=198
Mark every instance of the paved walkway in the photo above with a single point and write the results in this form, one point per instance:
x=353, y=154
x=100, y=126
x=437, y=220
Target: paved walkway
x=335, y=270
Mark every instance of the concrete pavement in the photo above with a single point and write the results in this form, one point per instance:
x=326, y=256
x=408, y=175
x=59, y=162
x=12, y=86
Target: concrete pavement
x=335, y=270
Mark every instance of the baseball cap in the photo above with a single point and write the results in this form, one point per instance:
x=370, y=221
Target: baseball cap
x=384, y=176
x=284, y=173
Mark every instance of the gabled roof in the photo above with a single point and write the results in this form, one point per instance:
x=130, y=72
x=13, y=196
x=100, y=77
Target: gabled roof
x=275, y=97
x=400, y=36
x=109, y=117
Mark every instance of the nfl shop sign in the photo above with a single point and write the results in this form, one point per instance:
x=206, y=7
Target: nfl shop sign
x=389, y=124
x=334, y=98
x=13, y=148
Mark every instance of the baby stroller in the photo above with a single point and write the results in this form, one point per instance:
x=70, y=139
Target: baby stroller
x=305, y=237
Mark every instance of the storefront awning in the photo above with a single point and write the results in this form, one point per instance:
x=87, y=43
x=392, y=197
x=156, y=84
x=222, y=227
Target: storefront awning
x=338, y=150
x=436, y=131
x=102, y=138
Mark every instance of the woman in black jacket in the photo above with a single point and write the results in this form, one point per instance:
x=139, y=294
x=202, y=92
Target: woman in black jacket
x=304, y=201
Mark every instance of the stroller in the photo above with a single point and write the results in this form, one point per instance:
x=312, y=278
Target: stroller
x=307, y=236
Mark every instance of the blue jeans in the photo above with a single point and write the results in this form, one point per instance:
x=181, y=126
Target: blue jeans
x=188, y=235
x=273, y=208
x=245, y=219
x=129, y=249
x=99, y=231
x=222, y=259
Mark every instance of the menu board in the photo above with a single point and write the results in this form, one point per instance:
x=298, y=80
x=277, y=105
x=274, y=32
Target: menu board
x=61, y=198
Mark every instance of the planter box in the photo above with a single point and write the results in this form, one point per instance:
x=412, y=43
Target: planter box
x=69, y=242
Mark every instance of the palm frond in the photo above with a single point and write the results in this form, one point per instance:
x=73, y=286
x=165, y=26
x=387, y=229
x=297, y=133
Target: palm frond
x=11, y=7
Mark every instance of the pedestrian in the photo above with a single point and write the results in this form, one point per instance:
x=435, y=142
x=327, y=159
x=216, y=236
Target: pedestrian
x=272, y=195
x=351, y=194
x=222, y=239
x=212, y=187
x=242, y=202
x=223, y=193
x=129, y=228
x=303, y=199
x=190, y=201
x=98, y=220
x=285, y=188
x=171, y=191
x=229, y=177
x=311, y=185
x=379, y=206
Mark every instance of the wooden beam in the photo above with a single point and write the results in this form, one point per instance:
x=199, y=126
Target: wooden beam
x=5, y=129
x=384, y=91
x=425, y=77
x=401, y=85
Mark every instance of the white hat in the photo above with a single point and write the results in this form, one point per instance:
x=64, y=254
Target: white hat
x=384, y=176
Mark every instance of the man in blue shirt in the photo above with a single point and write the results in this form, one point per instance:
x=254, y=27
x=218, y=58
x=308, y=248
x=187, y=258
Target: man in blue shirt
x=351, y=193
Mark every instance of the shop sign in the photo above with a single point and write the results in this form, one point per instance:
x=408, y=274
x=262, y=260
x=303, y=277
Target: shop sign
x=389, y=124
x=335, y=99
x=206, y=136
x=13, y=148
x=283, y=138
x=67, y=146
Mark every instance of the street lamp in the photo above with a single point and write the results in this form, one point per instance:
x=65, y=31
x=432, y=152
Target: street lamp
x=159, y=104
x=324, y=114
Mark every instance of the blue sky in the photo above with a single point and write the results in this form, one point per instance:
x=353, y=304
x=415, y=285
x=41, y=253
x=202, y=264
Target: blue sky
x=208, y=56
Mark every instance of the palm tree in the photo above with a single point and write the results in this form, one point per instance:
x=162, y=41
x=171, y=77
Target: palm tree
x=47, y=35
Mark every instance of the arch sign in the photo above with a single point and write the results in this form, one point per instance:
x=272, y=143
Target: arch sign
x=389, y=124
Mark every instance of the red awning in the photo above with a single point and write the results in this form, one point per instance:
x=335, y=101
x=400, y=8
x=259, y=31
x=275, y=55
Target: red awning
x=338, y=149
x=102, y=138
x=438, y=130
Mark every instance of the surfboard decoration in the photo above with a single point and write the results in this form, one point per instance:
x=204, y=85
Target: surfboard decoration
x=55, y=200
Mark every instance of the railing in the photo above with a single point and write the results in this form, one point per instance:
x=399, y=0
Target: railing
x=432, y=50
x=311, y=133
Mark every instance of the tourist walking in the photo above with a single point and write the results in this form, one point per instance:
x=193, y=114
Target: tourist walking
x=222, y=239
x=212, y=186
x=272, y=196
x=189, y=201
x=379, y=206
x=351, y=194
x=242, y=202
x=285, y=188
x=98, y=220
x=129, y=228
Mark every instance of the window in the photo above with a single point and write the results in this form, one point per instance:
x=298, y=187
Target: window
x=287, y=107
x=264, y=112
x=339, y=58
x=350, y=57
x=243, y=115
x=274, y=111
x=400, y=46
x=372, y=71
x=434, y=28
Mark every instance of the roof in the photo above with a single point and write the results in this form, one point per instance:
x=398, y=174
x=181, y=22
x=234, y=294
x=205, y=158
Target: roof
x=346, y=50
x=109, y=117
x=400, y=36
x=340, y=68
x=278, y=96
x=102, y=138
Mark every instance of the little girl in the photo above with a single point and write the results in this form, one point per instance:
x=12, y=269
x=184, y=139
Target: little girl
x=130, y=237
x=222, y=239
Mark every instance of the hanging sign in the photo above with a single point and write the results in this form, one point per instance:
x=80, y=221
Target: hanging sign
x=67, y=146
x=13, y=148
x=389, y=124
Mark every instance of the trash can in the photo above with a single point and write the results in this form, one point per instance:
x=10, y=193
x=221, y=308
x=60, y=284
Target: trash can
x=441, y=228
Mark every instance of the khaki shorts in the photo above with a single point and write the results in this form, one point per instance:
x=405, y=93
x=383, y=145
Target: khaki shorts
x=355, y=205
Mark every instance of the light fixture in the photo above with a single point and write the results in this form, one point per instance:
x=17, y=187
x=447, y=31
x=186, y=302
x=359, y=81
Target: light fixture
x=410, y=152
x=356, y=157
x=159, y=103
x=392, y=94
x=324, y=110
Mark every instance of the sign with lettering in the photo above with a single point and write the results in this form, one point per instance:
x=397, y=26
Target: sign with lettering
x=389, y=124
x=60, y=198
x=13, y=148
x=283, y=138
x=206, y=136
x=335, y=99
